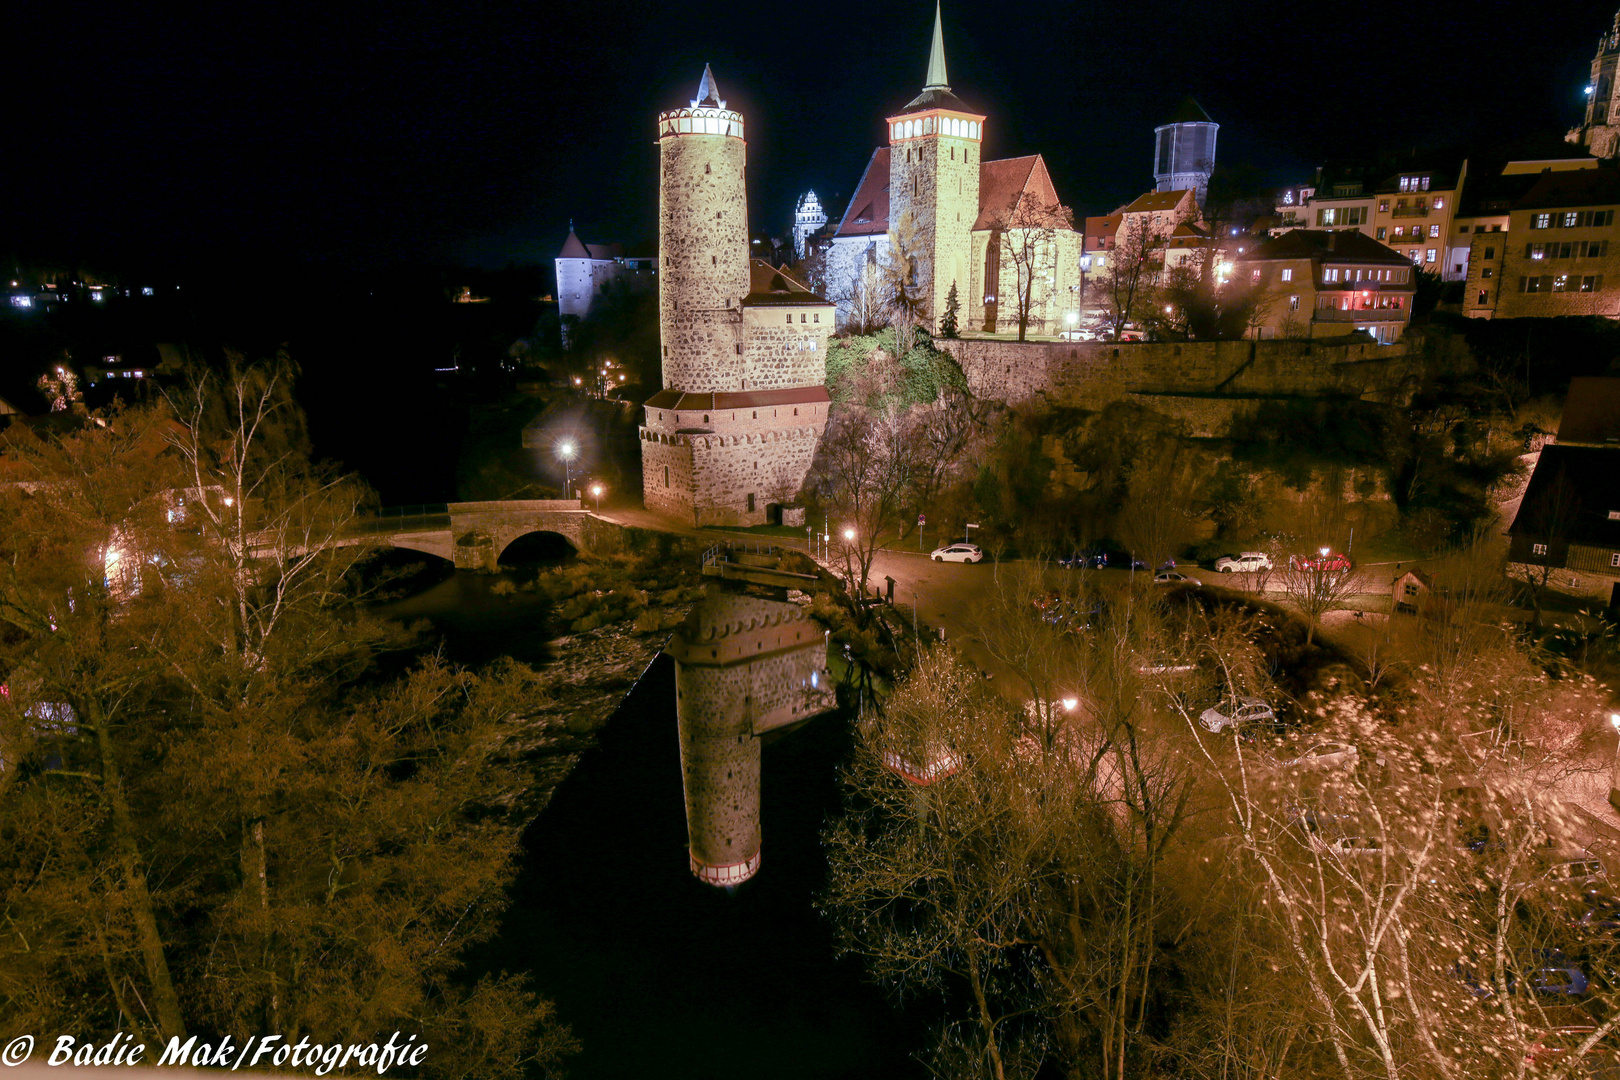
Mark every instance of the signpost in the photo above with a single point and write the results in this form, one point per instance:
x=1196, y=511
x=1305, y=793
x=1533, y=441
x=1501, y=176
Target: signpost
x=966, y=536
x=921, y=521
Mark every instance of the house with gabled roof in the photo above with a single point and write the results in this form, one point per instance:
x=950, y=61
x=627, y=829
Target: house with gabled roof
x=931, y=184
x=584, y=270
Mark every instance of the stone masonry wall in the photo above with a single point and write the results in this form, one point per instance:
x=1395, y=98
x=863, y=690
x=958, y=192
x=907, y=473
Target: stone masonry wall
x=667, y=492
x=936, y=177
x=702, y=259
x=1090, y=371
x=785, y=347
x=767, y=466
x=720, y=764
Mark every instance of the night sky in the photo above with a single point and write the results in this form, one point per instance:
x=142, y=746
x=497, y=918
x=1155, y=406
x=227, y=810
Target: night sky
x=367, y=134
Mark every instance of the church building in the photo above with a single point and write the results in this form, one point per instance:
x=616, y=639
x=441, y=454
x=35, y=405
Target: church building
x=1600, y=131
x=929, y=200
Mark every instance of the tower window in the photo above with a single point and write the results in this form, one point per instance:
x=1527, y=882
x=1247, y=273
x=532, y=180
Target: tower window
x=705, y=173
x=790, y=318
x=802, y=317
x=705, y=418
x=739, y=348
x=714, y=260
x=666, y=476
x=717, y=215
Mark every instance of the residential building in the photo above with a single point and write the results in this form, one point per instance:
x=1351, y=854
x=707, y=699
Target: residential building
x=1413, y=215
x=1562, y=254
x=1316, y=284
x=1345, y=203
x=1567, y=532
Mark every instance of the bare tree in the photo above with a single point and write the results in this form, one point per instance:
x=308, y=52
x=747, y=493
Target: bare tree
x=1029, y=245
x=902, y=266
x=863, y=475
x=1131, y=276
x=1316, y=584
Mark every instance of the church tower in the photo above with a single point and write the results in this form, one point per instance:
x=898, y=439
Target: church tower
x=935, y=150
x=1600, y=131
x=744, y=346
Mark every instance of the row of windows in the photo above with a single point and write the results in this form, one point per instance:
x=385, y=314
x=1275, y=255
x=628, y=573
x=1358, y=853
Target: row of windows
x=1400, y=204
x=947, y=125
x=1573, y=219
x=801, y=318
x=1541, y=549
x=1402, y=238
x=1414, y=183
x=1350, y=303
x=1342, y=215
x=1334, y=273
x=1578, y=249
x=1561, y=283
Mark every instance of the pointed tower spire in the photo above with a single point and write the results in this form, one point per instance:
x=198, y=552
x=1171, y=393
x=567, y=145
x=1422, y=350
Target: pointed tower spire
x=936, y=57
x=708, y=92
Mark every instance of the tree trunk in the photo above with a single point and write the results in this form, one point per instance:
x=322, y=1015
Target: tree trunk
x=164, y=998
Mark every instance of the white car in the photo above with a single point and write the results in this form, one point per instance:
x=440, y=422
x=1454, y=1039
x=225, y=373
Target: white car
x=1325, y=755
x=1243, y=562
x=957, y=553
x=1244, y=710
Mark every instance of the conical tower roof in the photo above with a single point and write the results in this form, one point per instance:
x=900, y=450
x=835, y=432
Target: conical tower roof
x=708, y=92
x=573, y=247
x=936, y=56
x=1189, y=112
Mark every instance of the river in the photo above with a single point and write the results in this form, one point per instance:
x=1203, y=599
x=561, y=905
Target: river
x=658, y=973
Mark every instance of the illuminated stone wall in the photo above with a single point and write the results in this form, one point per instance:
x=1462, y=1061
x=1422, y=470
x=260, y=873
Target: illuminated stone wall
x=936, y=179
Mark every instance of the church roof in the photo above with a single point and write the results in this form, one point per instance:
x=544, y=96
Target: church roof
x=936, y=91
x=768, y=284
x=1000, y=185
x=868, y=210
x=1002, y=182
x=1188, y=112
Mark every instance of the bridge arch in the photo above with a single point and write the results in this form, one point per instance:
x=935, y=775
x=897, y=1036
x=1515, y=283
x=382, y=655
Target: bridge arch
x=537, y=545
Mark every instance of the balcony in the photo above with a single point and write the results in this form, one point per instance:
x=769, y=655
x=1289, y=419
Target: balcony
x=1367, y=315
x=1409, y=211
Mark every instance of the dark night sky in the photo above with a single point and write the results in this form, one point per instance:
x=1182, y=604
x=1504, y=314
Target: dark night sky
x=367, y=133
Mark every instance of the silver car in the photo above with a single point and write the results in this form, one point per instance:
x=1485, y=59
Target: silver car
x=1243, y=562
x=1325, y=755
x=957, y=553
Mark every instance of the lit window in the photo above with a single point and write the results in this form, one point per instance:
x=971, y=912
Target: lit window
x=1288, y=274
x=1293, y=303
x=1538, y=549
x=1254, y=275
x=1614, y=560
x=1434, y=231
x=1439, y=203
x=1541, y=221
x=1428, y=256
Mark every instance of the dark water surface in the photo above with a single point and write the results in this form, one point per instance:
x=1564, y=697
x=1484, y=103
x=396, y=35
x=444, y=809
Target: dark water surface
x=662, y=975
x=658, y=973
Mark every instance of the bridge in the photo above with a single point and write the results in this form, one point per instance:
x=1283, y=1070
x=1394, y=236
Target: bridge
x=473, y=535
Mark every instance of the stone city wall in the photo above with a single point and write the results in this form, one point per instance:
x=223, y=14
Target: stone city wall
x=770, y=467
x=1087, y=372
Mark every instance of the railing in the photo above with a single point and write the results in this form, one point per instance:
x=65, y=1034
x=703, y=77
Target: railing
x=1410, y=211
x=392, y=519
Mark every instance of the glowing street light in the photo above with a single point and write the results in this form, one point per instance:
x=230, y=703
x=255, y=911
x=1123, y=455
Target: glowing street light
x=1614, y=770
x=566, y=450
x=1070, y=704
x=849, y=536
x=596, y=493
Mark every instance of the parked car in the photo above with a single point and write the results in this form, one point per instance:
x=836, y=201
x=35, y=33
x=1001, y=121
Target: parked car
x=1323, y=560
x=1586, y=871
x=1075, y=560
x=1174, y=577
x=1078, y=334
x=1324, y=755
x=1548, y=971
x=957, y=553
x=1237, y=713
x=1243, y=562
x=1119, y=560
x=1346, y=846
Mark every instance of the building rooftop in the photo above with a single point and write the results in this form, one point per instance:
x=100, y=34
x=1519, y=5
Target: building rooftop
x=1002, y=183
x=868, y=210
x=1578, y=187
x=1573, y=495
x=1344, y=246
x=1157, y=202
x=769, y=285
x=679, y=401
x=1592, y=413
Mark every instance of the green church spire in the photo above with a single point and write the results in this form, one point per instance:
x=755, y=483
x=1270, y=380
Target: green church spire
x=936, y=58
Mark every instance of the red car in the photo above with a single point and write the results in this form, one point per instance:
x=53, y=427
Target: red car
x=1324, y=559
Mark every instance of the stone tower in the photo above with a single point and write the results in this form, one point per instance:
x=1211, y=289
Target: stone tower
x=1184, y=151
x=1600, y=130
x=935, y=150
x=743, y=667
x=744, y=345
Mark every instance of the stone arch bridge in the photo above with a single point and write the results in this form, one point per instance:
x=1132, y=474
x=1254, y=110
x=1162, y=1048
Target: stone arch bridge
x=473, y=535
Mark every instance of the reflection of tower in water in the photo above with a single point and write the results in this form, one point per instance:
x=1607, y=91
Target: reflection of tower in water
x=743, y=667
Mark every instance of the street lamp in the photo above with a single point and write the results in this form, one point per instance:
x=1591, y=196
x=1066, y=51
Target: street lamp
x=596, y=492
x=1614, y=770
x=565, y=450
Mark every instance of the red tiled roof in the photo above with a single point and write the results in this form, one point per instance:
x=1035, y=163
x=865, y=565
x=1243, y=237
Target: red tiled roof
x=1002, y=182
x=572, y=248
x=676, y=400
x=1100, y=231
x=1156, y=202
x=868, y=210
x=769, y=285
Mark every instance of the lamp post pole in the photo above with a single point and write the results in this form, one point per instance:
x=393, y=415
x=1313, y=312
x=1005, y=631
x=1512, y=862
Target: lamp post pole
x=1614, y=769
x=565, y=450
